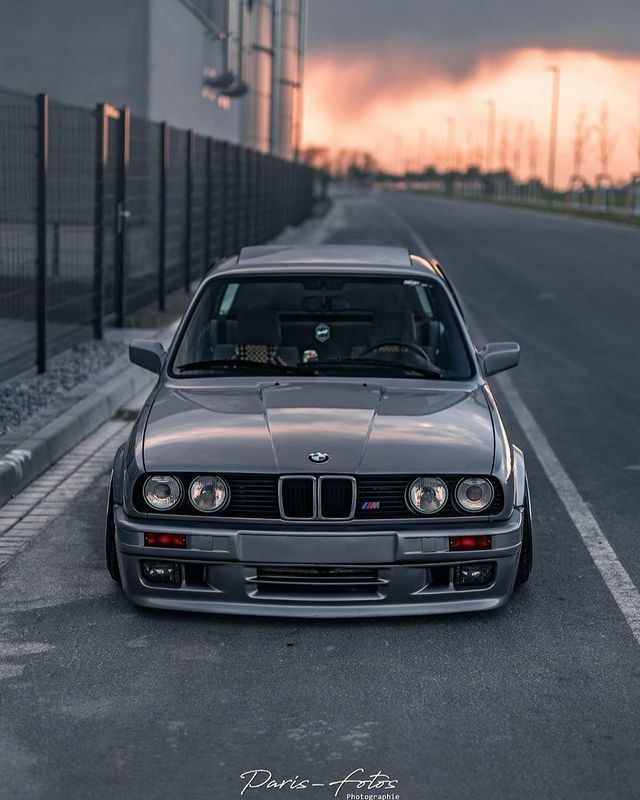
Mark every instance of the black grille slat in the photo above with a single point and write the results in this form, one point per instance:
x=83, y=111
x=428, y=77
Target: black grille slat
x=313, y=581
x=297, y=497
x=336, y=498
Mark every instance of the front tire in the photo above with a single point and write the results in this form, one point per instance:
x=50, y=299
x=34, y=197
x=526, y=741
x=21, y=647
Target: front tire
x=525, y=563
x=111, y=553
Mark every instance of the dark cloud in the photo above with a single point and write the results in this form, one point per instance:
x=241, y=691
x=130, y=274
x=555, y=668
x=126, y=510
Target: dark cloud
x=454, y=35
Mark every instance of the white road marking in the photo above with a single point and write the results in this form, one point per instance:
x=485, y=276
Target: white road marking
x=615, y=576
x=12, y=649
x=11, y=670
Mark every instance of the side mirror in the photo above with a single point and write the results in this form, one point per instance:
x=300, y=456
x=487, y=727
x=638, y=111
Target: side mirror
x=147, y=354
x=498, y=356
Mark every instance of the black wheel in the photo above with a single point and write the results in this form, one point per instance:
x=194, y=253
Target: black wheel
x=526, y=551
x=110, y=542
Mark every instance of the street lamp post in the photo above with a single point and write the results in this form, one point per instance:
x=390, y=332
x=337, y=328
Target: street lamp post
x=553, y=133
x=491, y=135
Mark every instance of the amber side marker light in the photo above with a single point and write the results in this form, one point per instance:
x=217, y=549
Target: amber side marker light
x=469, y=543
x=165, y=540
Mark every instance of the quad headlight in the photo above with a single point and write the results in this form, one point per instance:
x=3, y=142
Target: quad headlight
x=162, y=492
x=474, y=494
x=427, y=495
x=209, y=493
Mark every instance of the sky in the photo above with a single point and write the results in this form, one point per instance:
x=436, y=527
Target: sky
x=409, y=80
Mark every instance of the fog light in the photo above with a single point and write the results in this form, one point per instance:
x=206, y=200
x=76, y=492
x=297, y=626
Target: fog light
x=161, y=572
x=474, y=574
x=469, y=543
x=165, y=540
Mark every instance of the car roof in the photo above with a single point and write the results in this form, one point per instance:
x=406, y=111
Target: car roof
x=325, y=257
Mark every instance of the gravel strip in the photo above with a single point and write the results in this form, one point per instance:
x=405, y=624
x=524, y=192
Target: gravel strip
x=27, y=395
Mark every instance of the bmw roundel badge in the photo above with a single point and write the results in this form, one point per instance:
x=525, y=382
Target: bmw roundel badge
x=318, y=458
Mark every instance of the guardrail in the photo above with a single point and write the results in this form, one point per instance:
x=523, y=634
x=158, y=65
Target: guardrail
x=606, y=200
x=103, y=212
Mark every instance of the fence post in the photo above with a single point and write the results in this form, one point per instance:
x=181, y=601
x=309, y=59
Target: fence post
x=162, y=249
x=224, y=173
x=41, y=256
x=188, y=212
x=98, y=218
x=238, y=198
x=207, y=206
x=122, y=214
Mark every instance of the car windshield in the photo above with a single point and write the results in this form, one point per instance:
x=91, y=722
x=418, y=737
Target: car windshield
x=323, y=325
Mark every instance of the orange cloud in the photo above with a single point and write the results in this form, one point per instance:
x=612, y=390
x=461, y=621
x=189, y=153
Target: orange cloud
x=357, y=102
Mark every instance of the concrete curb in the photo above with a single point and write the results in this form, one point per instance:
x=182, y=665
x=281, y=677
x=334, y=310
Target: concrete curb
x=22, y=465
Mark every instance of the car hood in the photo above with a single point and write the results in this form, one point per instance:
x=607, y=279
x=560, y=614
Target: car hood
x=365, y=428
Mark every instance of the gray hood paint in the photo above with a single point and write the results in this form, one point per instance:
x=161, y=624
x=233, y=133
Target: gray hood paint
x=271, y=428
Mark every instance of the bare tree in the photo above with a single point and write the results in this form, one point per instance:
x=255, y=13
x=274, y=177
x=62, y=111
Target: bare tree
x=532, y=149
x=581, y=136
x=606, y=145
x=517, y=150
x=503, y=147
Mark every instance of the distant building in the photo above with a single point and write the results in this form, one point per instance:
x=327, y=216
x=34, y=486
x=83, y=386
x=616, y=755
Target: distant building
x=231, y=69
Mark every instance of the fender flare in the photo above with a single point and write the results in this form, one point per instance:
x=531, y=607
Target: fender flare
x=117, y=475
x=520, y=486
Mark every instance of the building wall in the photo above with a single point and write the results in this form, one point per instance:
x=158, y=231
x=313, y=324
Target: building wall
x=77, y=51
x=181, y=50
x=156, y=55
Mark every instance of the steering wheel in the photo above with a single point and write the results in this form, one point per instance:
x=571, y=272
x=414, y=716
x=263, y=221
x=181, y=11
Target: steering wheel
x=411, y=346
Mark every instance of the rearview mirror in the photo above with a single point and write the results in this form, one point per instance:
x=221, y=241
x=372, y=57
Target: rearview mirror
x=147, y=354
x=498, y=356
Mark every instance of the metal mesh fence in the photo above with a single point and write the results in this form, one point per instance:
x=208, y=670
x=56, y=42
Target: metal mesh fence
x=176, y=199
x=70, y=225
x=198, y=256
x=102, y=213
x=18, y=127
x=142, y=213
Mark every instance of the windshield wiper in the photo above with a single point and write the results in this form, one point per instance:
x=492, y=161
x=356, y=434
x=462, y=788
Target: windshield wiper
x=376, y=362
x=237, y=363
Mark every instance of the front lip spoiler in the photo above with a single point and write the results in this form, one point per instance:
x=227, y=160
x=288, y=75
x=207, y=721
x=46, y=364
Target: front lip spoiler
x=311, y=611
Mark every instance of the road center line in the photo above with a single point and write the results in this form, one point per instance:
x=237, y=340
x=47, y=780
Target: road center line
x=615, y=576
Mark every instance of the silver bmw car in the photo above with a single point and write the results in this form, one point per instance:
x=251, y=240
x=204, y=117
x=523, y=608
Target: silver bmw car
x=321, y=442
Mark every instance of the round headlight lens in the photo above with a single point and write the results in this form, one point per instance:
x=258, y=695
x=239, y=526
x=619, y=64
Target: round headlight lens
x=474, y=494
x=162, y=492
x=428, y=495
x=209, y=493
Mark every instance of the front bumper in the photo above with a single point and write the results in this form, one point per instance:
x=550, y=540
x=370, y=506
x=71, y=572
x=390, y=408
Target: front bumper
x=318, y=573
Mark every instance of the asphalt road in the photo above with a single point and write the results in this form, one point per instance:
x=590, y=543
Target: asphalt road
x=536, y=700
